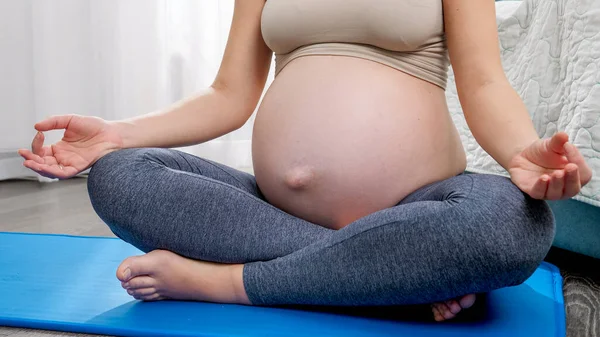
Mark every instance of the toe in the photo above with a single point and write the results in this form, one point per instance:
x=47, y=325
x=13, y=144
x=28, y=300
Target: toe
x=467, y=301
x=141, y=292
x=150, y=298
x=140, y=282
x=445, y=311
x=436, y=313
x=454, y=307
x=124, y=272
x=134, y=266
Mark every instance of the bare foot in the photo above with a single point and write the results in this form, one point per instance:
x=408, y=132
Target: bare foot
x=161, y=275
x=449, y=309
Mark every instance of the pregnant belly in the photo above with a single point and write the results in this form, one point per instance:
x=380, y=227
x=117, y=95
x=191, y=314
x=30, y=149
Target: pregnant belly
x=338, y=138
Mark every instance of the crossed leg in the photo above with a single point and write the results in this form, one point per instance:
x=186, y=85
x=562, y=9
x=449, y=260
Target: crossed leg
x=211, y=236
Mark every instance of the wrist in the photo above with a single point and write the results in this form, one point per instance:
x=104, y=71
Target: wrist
x=124, y=131
x=518, y=150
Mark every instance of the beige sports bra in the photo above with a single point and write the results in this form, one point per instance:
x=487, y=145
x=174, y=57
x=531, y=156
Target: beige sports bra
x=407, y=35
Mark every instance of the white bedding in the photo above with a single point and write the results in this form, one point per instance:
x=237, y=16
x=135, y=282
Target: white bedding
x=551, y=54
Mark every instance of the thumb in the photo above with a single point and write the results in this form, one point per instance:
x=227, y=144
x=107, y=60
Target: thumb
x=549, y=152
x=54, y=123
x=556, y=144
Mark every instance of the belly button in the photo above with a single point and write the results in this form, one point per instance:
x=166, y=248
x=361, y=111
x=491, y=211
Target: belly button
x=299, y=177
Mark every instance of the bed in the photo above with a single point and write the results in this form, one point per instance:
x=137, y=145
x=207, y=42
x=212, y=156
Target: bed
x=551, y=54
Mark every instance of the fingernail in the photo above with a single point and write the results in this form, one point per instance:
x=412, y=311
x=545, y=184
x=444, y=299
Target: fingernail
x=127, y=273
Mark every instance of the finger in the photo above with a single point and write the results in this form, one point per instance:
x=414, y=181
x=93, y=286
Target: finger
x=49, y=160
x=28, y=155
x=68, y=162
x=556, y=186
x=32, y=165
x=54, y=123
x=51, y=171
x=557, y=142
x=58, y=171
x=47, y=151
x=539, y=189
x=575, y=157
x=572, y=181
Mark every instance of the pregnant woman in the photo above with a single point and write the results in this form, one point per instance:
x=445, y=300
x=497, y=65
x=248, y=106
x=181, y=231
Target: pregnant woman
x=359, y=195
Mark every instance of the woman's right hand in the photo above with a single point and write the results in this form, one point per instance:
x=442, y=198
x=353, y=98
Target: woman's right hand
x=85, y=140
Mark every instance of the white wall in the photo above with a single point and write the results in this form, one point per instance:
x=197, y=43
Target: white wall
x=16, y=82
x=109, y=58
x=16, y=78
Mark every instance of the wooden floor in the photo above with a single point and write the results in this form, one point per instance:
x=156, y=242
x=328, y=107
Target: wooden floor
x=63, y=207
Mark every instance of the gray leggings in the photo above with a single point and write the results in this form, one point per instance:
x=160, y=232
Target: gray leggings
x=471, y=233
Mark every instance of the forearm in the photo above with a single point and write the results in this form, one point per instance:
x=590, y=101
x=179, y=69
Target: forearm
x=198, y=119
x=499, y=120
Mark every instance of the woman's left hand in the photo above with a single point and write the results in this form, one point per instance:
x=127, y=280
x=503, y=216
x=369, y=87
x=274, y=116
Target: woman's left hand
x=550, y=168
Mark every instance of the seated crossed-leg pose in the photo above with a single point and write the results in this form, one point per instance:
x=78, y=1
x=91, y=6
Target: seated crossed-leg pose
x=359, y=195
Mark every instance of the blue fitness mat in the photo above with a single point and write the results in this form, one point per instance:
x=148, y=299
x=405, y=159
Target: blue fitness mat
x=68, y=283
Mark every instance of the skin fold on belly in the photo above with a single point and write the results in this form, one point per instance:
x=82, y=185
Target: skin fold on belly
x=337, y=138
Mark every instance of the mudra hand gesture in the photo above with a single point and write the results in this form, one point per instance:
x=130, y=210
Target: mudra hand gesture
x=550, y=168
x=85, y=140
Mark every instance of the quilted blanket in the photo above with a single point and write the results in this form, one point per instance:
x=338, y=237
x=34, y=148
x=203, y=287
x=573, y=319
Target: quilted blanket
x=551, y=54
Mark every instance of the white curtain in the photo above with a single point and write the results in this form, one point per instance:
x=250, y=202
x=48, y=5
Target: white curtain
x=108, y=58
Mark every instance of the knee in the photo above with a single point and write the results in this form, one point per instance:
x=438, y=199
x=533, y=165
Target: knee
x=516, y=231
x=107, y=171
x=118, y=167
x=110, y=179
x=530, y=221
x=532, y=241
x=522, y=228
